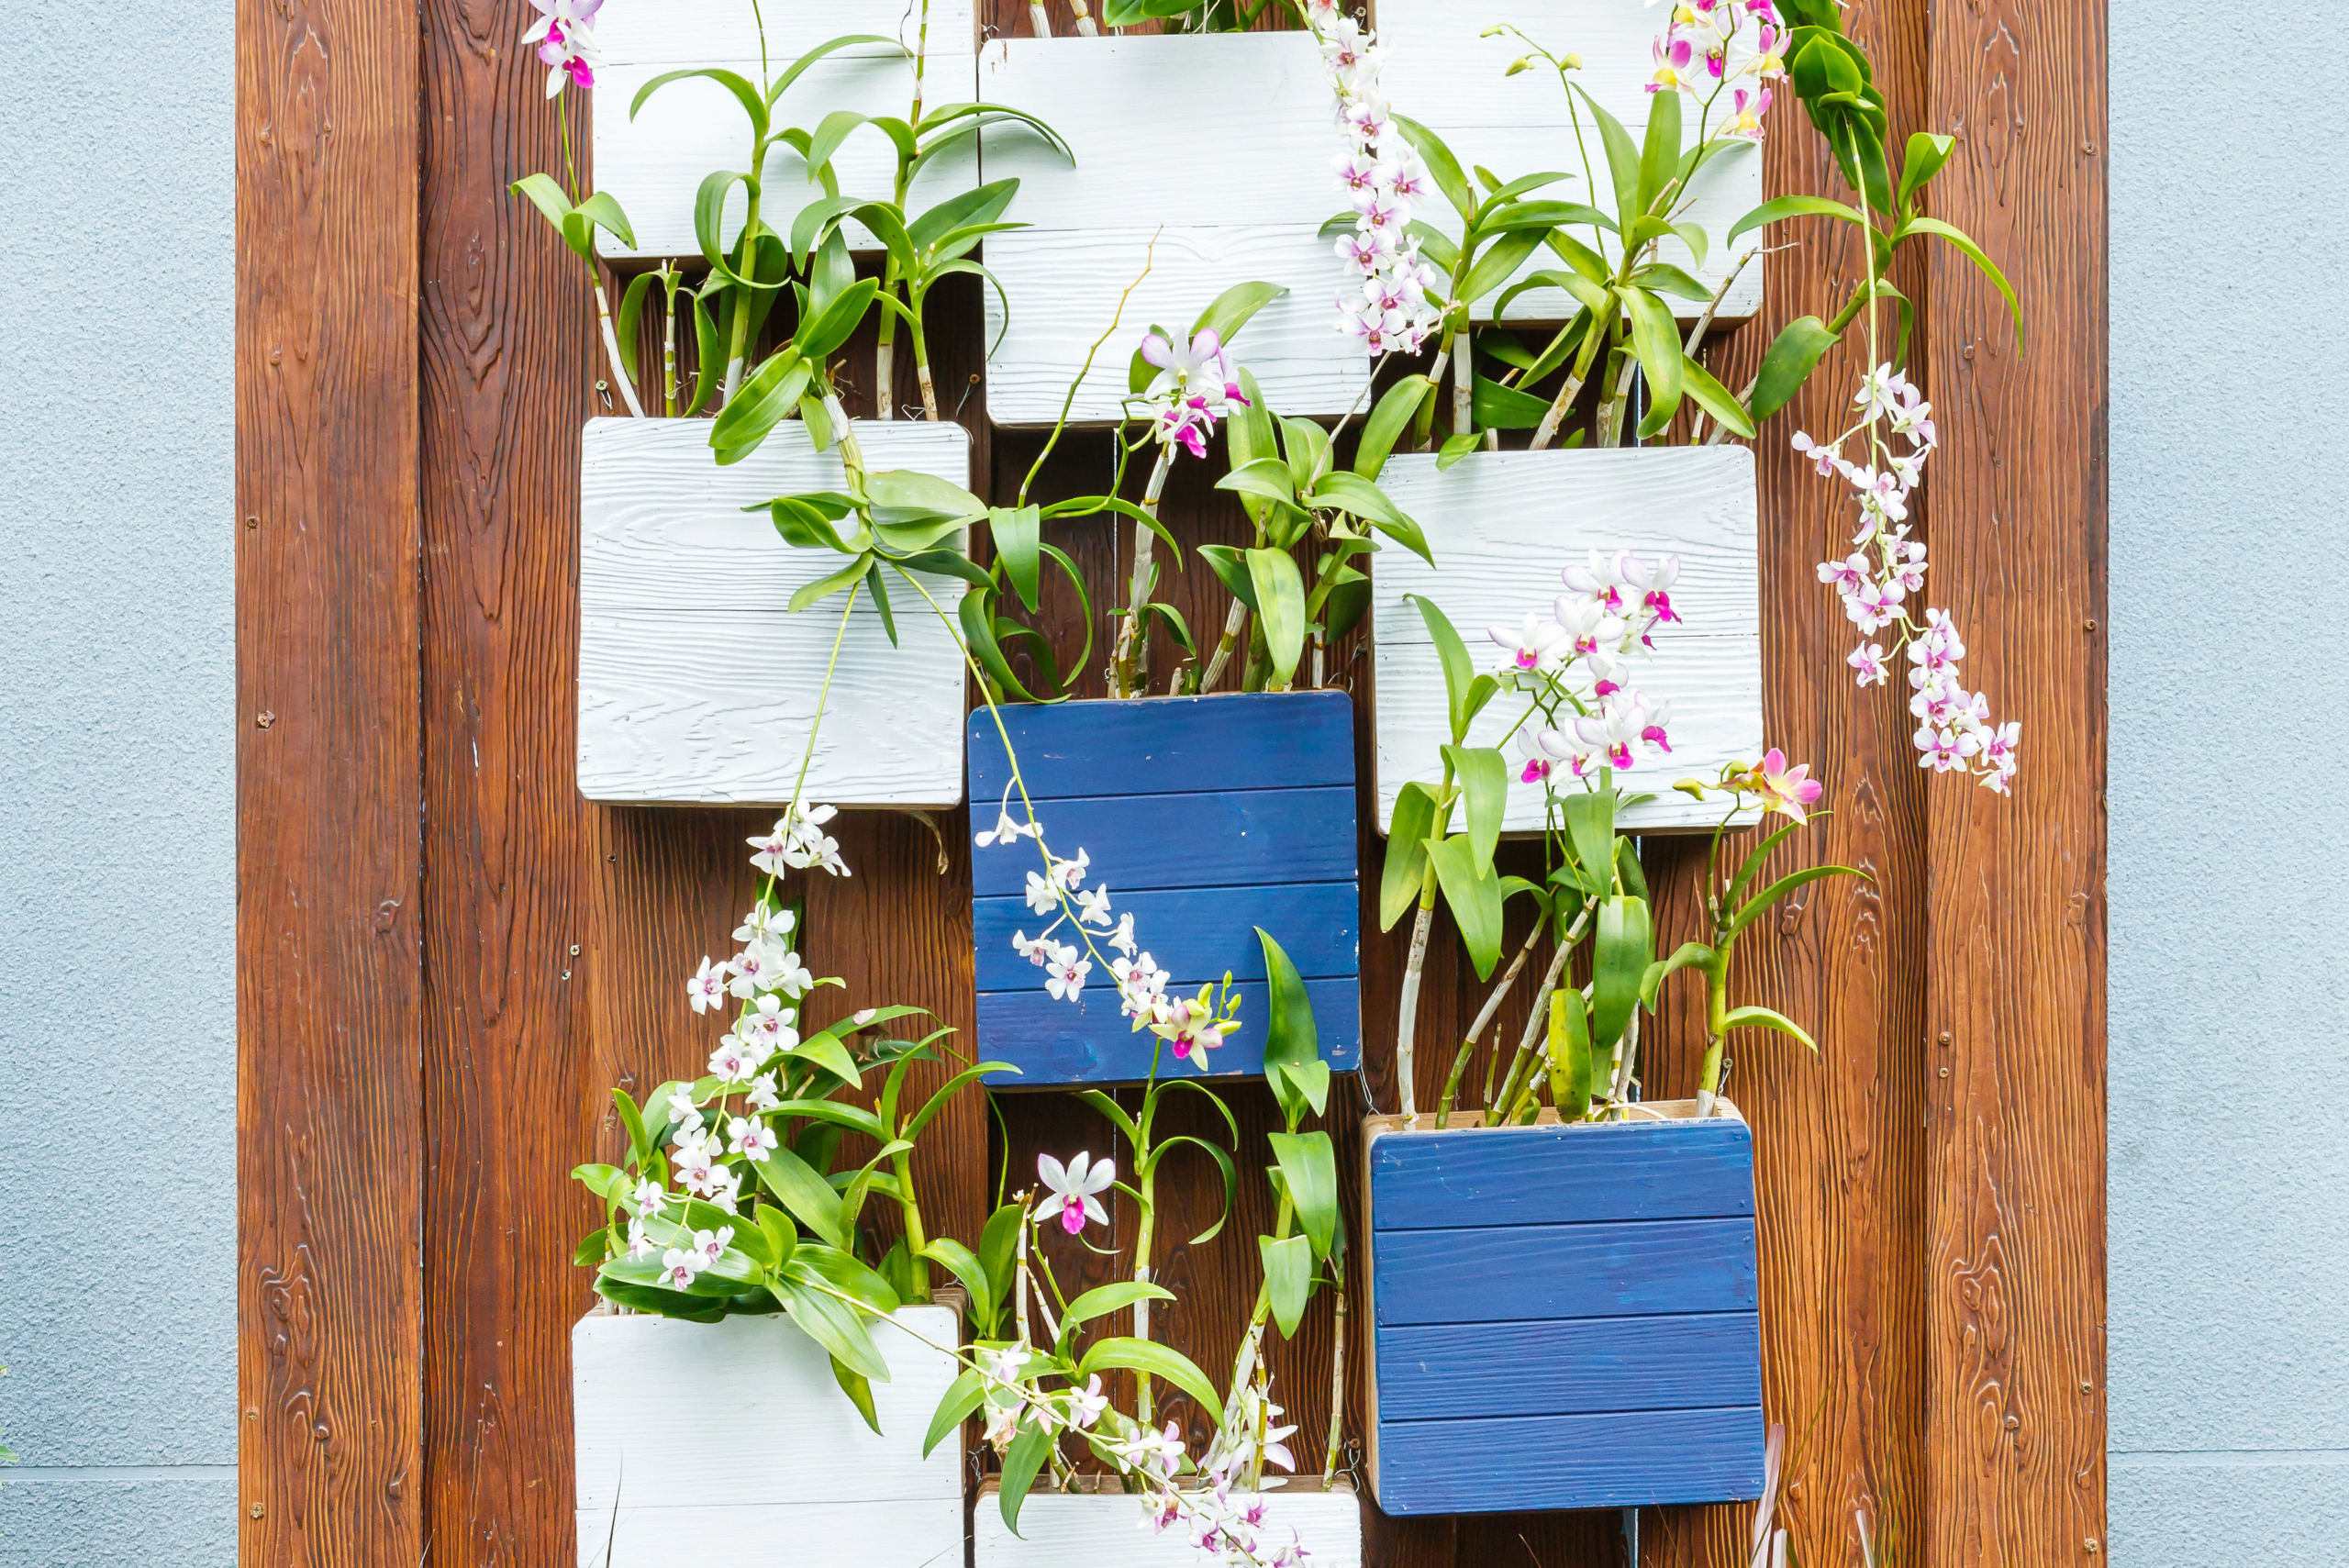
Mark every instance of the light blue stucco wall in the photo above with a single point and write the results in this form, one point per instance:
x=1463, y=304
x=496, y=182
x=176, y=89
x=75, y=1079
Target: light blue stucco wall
x=118, y=864
x=2229, y=800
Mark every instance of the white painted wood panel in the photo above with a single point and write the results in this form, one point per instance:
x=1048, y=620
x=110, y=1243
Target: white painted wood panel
x=1241, y=200
x=696, y=684
x=1501, y=525
x=654, y=163
x=1438, y=71
x=790, y=1472
x=1086, y=1529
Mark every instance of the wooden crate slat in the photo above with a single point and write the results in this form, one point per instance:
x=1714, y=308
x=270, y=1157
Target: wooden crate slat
x=1441, y=72
x=794, y=1441
x=1501, y=525
x=1190, y=934
x=1603, y=1461
x=1208, y=839
x=1252, y=205
x=1443, y=1371
x=1167, y=745
x=653, y=163
x=1607, y=1268
x=1053, y=1042
x=697, y=683
x=1563, y=1174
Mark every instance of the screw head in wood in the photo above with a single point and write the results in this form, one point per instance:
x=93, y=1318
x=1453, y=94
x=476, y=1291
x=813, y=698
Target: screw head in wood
x=1944, y=1072
x=263, y=719
x=1944, y=1037
x=574, y=950
x=256, y=1510
x=2091, y=1544
x=2088, y=625
x=252, y=522
x=2087, y=1387
x=2013, y=1421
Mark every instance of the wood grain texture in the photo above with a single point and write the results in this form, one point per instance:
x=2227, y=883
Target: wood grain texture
x=509, y=358
x=1088, y=1528
x=696, y=680
x=1609, y=1268
x=1501, y=525
x=1442, y=71
x=330, y=982
x=2014, y=1424
x=1251, y=209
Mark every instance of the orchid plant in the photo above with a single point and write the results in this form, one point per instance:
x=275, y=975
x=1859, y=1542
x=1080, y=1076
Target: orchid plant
x=730, y=308
x=1037, y=1390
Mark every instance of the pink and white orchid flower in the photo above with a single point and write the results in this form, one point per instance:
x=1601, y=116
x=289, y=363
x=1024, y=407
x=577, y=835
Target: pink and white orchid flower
x=1072, y=1191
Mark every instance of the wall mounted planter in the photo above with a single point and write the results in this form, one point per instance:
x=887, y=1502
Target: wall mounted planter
x=1207, y=817
x=696, y=684
x=1441, y=73
x=798, y=1477
x=1503, y=524
x=1097, y=1529
x=1250, y=196
x=655, y=162
x=1563, y=1316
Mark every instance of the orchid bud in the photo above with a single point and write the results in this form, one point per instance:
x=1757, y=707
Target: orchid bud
x=1522, y=63
x=1572, y=63
x=1494, y=31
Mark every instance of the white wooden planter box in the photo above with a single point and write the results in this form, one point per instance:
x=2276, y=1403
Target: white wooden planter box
x=1207, y=157
x=696, y=684
x=1440, y=74
x=1501, y=525
x=1106, y=1528
x=654, y=164
x=730, y=1442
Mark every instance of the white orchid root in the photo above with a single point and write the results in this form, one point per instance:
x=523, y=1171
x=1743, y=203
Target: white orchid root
x=612, y=347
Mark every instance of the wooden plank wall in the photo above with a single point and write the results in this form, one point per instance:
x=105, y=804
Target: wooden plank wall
x=445, y=957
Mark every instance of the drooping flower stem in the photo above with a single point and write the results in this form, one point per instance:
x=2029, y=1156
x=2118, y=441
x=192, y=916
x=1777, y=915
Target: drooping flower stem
x=1126, y=676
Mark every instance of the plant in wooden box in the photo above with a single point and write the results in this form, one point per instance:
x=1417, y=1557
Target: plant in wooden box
x=1228, y=1505
x=676, y=580
x=1212, y=815
x=1609, y=1240
x=738, y=1246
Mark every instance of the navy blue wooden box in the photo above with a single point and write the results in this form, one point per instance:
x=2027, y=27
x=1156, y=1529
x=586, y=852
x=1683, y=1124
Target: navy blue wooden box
x=1563, y=1316
x=1206, y=817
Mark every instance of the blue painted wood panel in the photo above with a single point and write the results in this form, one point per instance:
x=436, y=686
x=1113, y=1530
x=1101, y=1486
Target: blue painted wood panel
x=1564, y=1317
x=1439, y=1371
x=1607, y=1270
x=1187, y=932
x=1536, y=1176
x=1053, y=1042
x=1612, y=1461
x=1205, y=817
x=1219, y=838
x=1165, y=746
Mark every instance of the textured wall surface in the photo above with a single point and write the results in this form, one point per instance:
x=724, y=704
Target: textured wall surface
x=117, y=1054
x=2230, y=1174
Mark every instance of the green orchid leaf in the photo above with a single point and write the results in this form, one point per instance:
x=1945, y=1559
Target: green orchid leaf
x=1400, y=882
x=1626, y=945
x=1308, y=1167
x=961, y=1401
x=1762, y=1017
x=1144, y=1355
x=1482, y=773
x=1474, y=901
x=1288, y=1279
x=1293, y=1064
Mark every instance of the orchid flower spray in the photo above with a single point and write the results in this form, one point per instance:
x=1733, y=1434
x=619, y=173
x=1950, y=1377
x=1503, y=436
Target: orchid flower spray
x=1384, y=181
x=1723, y=54
x=1884, y=572
x=1573, y=666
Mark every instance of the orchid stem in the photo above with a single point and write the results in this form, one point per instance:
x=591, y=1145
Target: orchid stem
x=1484, y=1017
x=1124, y=676
x=612, y=344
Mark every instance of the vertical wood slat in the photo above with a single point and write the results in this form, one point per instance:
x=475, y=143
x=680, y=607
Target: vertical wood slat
x=509, y=359
x=2014, y=1427
x=328, y=975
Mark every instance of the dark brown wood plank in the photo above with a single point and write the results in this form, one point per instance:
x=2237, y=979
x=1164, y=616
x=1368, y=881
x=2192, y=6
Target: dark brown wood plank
x=2014, y=1428
x=329, y=980
x=510, y=360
